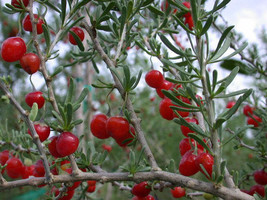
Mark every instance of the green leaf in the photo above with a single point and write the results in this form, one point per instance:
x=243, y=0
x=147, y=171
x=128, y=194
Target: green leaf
x=79, y=5
x=78, y=40
x=69, y=114
x=169, y=63
x=155, y=10
x=63, y=11
x=62, y=113
x=106, y=11
x=69, y=27
x=123, y=19
x=207, y=25
x=221, y=5
x=194, y=12
x=240, y=130
x=181, y=23
x=147, y=2
x=129, y=9
x=83, y=94
x=33, y=112
x=172, y=167
x=169, y=45
x=46, y=36
x=77, y=122
x=184, y=109
x=214, y=79
x=222, y=39
x=59, y=118
x=70, y=92
x=57, y=71
x=244, y=45
x=232, y=94
x=194, y=127
x=201, y=142
x=51, y=5
x=222, y=50
x=137, y=80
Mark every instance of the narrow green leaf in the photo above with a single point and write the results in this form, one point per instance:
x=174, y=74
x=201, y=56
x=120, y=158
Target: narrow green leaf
x=221, y=5
x=201, y=142
x=123, y=19
x=169, y=45
x=95, y=66
x=194, y=127
x=62, y=113
x=77, y=122
x=46, y=36
x=147, y=2
x=172, y=167
x=79, y=5
x=169, y=63
x=107, y=9
x=137, y=80
x=244, y=45
x=58, y=117
x=222, y=167
x=245, y=68
x=214, y=79
x=208, y=82
x=51, y=5
x=232, y=94
x=155, y=10
x=57, y=71
x=181, y=23
x=83, y=94
x=222, y=50
x=194, y=10
x=70, y=26
x=70, y=92
x=78, y=40
x=114, y=71
x=207, y=25
x=33, y=112
x=69, y=114
x=184, y=109
x=129, y=9
x=63, y=11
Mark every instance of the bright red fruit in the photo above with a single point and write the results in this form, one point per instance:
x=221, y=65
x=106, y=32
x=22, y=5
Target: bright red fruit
x=107, y=147
x=189, y=21
x=178, y=192
x=68, y=195
x=260, y=176
x=42, y=130
x=35, y=97
x=74, y=185
x=124, y=141
x=4, y=156
x=27, y=24
x=52, y=147
x=148, y=197
x=67, y=143
x=28, y=171
x=79, y=32
x=91, y=189
x=185, y=130
x=253, y=122
x=98, y=126
x=166, y=85
x=185, y=145
x=230, y=104
x=207, y=161
x=30, y=62
x=91, y=182
x=259, y=189
x=17, y=4
x=164, y=109
x=247, y=110
x=187, y=166
x=141, y=190
x=14, y=168
x=13, y=49
x=188, y=14
x=154, y=78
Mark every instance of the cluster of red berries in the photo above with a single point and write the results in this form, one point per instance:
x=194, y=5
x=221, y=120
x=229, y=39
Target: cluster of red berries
x=260, y=177
x=141, y=191
x=117, y=127
x=188, y=17
x=252, y=119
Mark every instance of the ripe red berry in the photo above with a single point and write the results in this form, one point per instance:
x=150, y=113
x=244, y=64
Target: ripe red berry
x=260, y=176
x=67, y=143
x=17, y=3
x=35, y=97
x=91, y=189
x=13, y=49
x=4, y=156
x=98, y=126
x=52, y=147
x=28, y=171
x=166, y=85
x=67, y=195
x=187, y=166
x=128, y=138
x=42, y=130
x=141, y=190
x=30, y=62
x=148, y=197
x=189, y=21
x=185, y=130
x=154, y=78
x=164, y=109
x=107, y=147
x=188, y=14
x=207, y=161
x=185, y=145
x=259, y=189
x=230, y=104
x=27, y=24
x=14, y=168
x=178, y=192
x=119, y=129
x=39, y=170
x=79, y=32
x=255, y=122
x=247, y=110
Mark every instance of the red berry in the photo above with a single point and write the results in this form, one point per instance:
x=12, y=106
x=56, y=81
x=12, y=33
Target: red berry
x=187, y=166
x=52, y=147
x=207, y=161
x=107, y=147
x=67, y=195
x=42, y=130
x=98, y=126
x=141, y=190
x=166, y=85
x=185, y=145
x=127, y=139
x=247, y=110
x=27, y=24
x=74, y=185
x=14, y=168
x=164, y=109
x=230, y=104
x=253, y=122
x=30, y=62
x=91, y=189
x=35, y=97
x=260, y=176
x=185, y=130
x=79, y=32
x=259, y=189
x=91, y=183
x=189, y=21
x=149, y=197
x=154, y=78
x=39, y=170
x=17, y=3
x=4, y=156
x=67, y=143
x=178, y=192
x=119, y=129
x=28, y=171
x=13, y=49
x=188, y=14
